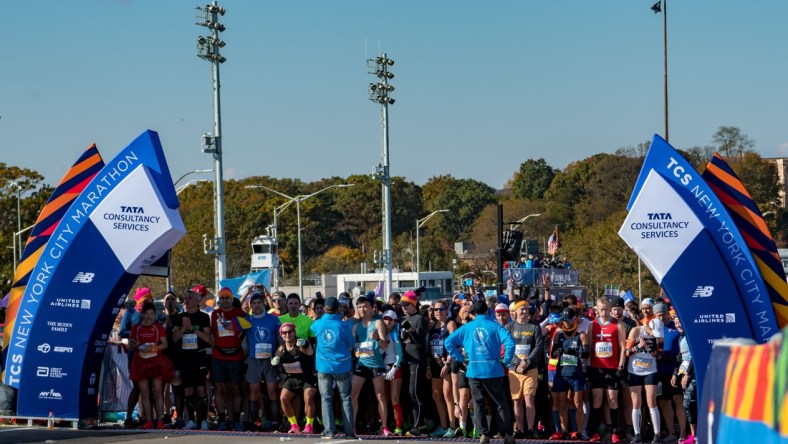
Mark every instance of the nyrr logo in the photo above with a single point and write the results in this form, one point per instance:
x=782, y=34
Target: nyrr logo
x=84, y=277
x=134, y=210
x=51, y=394
x=703, y=292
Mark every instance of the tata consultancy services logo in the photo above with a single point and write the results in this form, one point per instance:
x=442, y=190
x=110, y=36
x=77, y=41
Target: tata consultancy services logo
x=51, y=394
x=703, y=291
x=84, y=277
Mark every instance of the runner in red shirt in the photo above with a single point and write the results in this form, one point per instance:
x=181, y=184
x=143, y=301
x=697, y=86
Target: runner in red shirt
x=227, y=362
x=608, y=360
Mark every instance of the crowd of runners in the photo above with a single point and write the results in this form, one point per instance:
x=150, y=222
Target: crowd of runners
x=521, y=365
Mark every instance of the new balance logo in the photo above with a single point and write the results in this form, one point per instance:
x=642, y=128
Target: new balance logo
x=703, y=292
x=84, y=277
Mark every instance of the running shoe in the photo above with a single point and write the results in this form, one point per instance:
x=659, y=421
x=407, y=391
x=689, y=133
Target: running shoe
x=595, y=438
x=636, y=439
x=294, y=429
x=614, y=438
x=439, y=432
x=147, y=425
x=484, y=439
x=556, y=436
x=574, y=436
x=204, y=425
x=224, y=426
x=159, y=424
x=238, y=427
x=449, y=433
x=509, y=439
x=657, y=440
x=308, y=429
x=189, y=425
x=460, y=432
x=690, y=439
x=414, y=432
x=398, y=431
x=386, y=432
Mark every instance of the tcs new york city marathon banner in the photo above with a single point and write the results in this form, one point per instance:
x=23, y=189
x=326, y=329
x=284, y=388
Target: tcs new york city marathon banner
x=124, y=219
x=684, y=235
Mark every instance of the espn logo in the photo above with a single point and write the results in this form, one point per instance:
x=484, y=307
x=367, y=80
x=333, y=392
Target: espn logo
x=703, y=292
x=84, y=277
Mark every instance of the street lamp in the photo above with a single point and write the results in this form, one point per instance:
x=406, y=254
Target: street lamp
x=188, y=184
x=419, y=223
x=175, y=184
x=18, y=234
x=517, y=224
x=298, y=199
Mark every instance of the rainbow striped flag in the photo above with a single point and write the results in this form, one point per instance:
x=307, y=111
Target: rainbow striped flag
x=749, y=220
x=70, y=186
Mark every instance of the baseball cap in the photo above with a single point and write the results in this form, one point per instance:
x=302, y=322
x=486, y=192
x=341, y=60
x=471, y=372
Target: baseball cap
x=569, y=314
x=660, y=308
x=648, y=301
x=200, y=289
x=332, y=303
x=255, y=295
x=390, y=314
x=617, y=301
x=501, y=308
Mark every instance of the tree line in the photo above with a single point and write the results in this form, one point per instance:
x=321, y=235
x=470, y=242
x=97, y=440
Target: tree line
x=342, y=228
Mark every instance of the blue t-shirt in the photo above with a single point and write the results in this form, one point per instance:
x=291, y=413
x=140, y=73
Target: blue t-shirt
x=262, y=334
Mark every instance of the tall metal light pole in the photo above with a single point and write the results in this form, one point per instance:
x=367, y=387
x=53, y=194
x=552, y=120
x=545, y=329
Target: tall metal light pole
x=208, y=49
x=175, y=184
x=379, y=93
x=419, y=223
x=521, y=221
x=298, y=199
x=662, y=6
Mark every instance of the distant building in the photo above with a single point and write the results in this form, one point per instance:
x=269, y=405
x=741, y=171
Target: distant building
x=782, y=173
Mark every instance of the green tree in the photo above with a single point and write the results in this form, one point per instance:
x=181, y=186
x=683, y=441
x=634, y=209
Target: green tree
x=533, y=179
x=731, y=142
x=464, y=198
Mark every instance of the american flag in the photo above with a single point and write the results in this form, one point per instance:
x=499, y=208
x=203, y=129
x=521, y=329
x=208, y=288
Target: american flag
x=554, y=242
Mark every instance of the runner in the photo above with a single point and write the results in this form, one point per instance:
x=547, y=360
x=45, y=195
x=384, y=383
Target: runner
x=523, y=373
x=440, y=369
x=296, y=359
x=227, y=359
x=643, y=347
x=370, y=339
x=393, y=360
x=570, y=347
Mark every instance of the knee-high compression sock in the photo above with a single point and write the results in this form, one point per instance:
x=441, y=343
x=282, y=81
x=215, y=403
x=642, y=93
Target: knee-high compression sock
x=188, y=408
x=203, y=408
x=397, y=415
x=636, y=420
x=655, y=420
x=254, y=410
x=275, y=410
x=614, y=419
x=573, y=420
x=586, y=416
x=593, y=419
x=557, y=420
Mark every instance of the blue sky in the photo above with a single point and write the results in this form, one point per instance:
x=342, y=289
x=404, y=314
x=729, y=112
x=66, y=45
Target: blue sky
x=480, y=86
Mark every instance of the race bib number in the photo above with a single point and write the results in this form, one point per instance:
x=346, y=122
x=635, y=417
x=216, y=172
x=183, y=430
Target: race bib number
x=642, y=362
x=437, y=347
x=293, y=367
x=262, y=351
x=603, y=349
x=224, y=332
x=150, y=351
x=568, y=360
x=364, y=349
x=189, y=341
x=522, y=350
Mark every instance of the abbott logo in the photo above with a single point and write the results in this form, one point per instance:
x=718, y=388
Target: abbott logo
x=84, y=277
x=42, y=372
x=703, y=292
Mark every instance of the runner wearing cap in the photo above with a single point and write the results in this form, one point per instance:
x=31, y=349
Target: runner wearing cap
x=261, y=333
x=414, y=331
x=392, y=358
x=296, y=359
x=643, y=347
x=131, y=317
x=570, y=347
x=226, y=362
x=502, y=314
x=523, y=372
x=617, y=310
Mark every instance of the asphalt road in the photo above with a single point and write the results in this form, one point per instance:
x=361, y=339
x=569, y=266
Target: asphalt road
x=35, y=434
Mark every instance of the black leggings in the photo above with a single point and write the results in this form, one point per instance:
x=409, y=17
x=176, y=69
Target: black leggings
x=414, y=388
x=691, y=401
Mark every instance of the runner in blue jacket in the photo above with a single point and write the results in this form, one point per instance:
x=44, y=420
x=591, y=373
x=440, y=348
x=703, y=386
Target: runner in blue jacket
x=482, y=340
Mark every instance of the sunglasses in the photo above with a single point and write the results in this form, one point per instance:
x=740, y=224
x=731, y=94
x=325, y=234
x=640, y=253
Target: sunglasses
x=287, y=332
x=278, y=300
x=225, y=297
x=440, y=309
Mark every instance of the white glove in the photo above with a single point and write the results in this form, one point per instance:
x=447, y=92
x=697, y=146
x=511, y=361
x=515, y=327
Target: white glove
x=275, y=360
x=391, y=373
x=301, y=342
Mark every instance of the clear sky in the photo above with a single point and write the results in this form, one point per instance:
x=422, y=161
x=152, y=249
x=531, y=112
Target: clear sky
x=481, y=86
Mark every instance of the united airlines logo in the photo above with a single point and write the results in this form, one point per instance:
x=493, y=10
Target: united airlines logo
x=730, y=318
x=84, y=277
x=703, y=292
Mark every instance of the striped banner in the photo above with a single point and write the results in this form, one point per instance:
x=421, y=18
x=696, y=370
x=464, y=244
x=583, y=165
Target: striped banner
x=72, y=183
x=749, y=220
